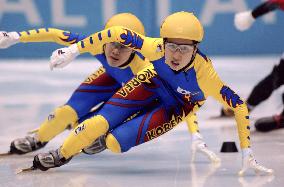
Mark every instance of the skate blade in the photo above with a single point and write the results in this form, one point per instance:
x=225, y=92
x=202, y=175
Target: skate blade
x=5, y=154
x=25, y=170
x=220, y=117
x=33, y=131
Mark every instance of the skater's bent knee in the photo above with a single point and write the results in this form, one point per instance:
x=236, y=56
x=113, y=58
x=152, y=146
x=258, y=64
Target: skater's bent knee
x=56, y=123
x=112, y=144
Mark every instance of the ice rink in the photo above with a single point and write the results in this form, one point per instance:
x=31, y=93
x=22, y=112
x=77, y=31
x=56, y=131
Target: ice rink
x=30, y=91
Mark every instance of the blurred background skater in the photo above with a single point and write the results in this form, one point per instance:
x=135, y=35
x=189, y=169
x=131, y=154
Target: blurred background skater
x=272, y=81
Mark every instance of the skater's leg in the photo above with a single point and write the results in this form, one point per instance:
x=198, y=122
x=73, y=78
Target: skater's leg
x=277, y=121
x=265, y=87
x=112, y=114
x=98, y=87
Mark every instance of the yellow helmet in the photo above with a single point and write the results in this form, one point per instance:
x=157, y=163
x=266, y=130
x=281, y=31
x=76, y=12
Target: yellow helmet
x=182, y=25
x=127, y=20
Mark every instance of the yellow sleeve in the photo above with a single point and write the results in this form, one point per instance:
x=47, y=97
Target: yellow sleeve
x=139, y=64
x=58, y=36
x=192, y=124
x=151, y=48
x=212, y=85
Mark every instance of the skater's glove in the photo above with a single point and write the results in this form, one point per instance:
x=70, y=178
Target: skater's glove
x=200, y=146
x=45, y=161
x=8, y=39
x=243, y=20
x=63, y=56
x=249, y=162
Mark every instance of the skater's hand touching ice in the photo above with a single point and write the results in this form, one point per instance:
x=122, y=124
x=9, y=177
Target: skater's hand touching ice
x=8, y=39
x=249, y=162
x=63, y=56
x=198, y=145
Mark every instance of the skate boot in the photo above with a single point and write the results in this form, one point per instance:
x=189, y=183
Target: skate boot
x=45, y=161
x=25, y=145
x=97, y=146
x=269, y=123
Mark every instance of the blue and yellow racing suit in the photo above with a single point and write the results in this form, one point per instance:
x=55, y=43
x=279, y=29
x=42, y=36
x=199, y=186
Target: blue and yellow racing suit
x=97, y=88
x=180, y=94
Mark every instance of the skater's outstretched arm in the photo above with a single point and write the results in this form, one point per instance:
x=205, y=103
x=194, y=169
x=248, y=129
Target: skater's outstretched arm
x=150, y=48
x=228, y=97
x=244, y=20
x=54, y=35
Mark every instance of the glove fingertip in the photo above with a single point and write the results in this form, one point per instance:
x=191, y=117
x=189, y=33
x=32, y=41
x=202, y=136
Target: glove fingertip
x=241, y=173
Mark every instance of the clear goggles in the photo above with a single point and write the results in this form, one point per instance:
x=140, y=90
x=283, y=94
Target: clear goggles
x=119, y=46
x=182, y=48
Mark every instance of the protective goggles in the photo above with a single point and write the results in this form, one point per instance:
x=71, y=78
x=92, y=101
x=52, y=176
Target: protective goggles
x=182, y=48
x=119, y=46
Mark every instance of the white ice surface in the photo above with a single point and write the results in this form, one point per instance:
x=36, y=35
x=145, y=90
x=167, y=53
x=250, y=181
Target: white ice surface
x=29, y=91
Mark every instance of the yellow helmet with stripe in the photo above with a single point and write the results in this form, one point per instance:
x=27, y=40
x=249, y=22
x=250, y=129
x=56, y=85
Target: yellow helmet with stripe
x=127, y=20
x=183, y=25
